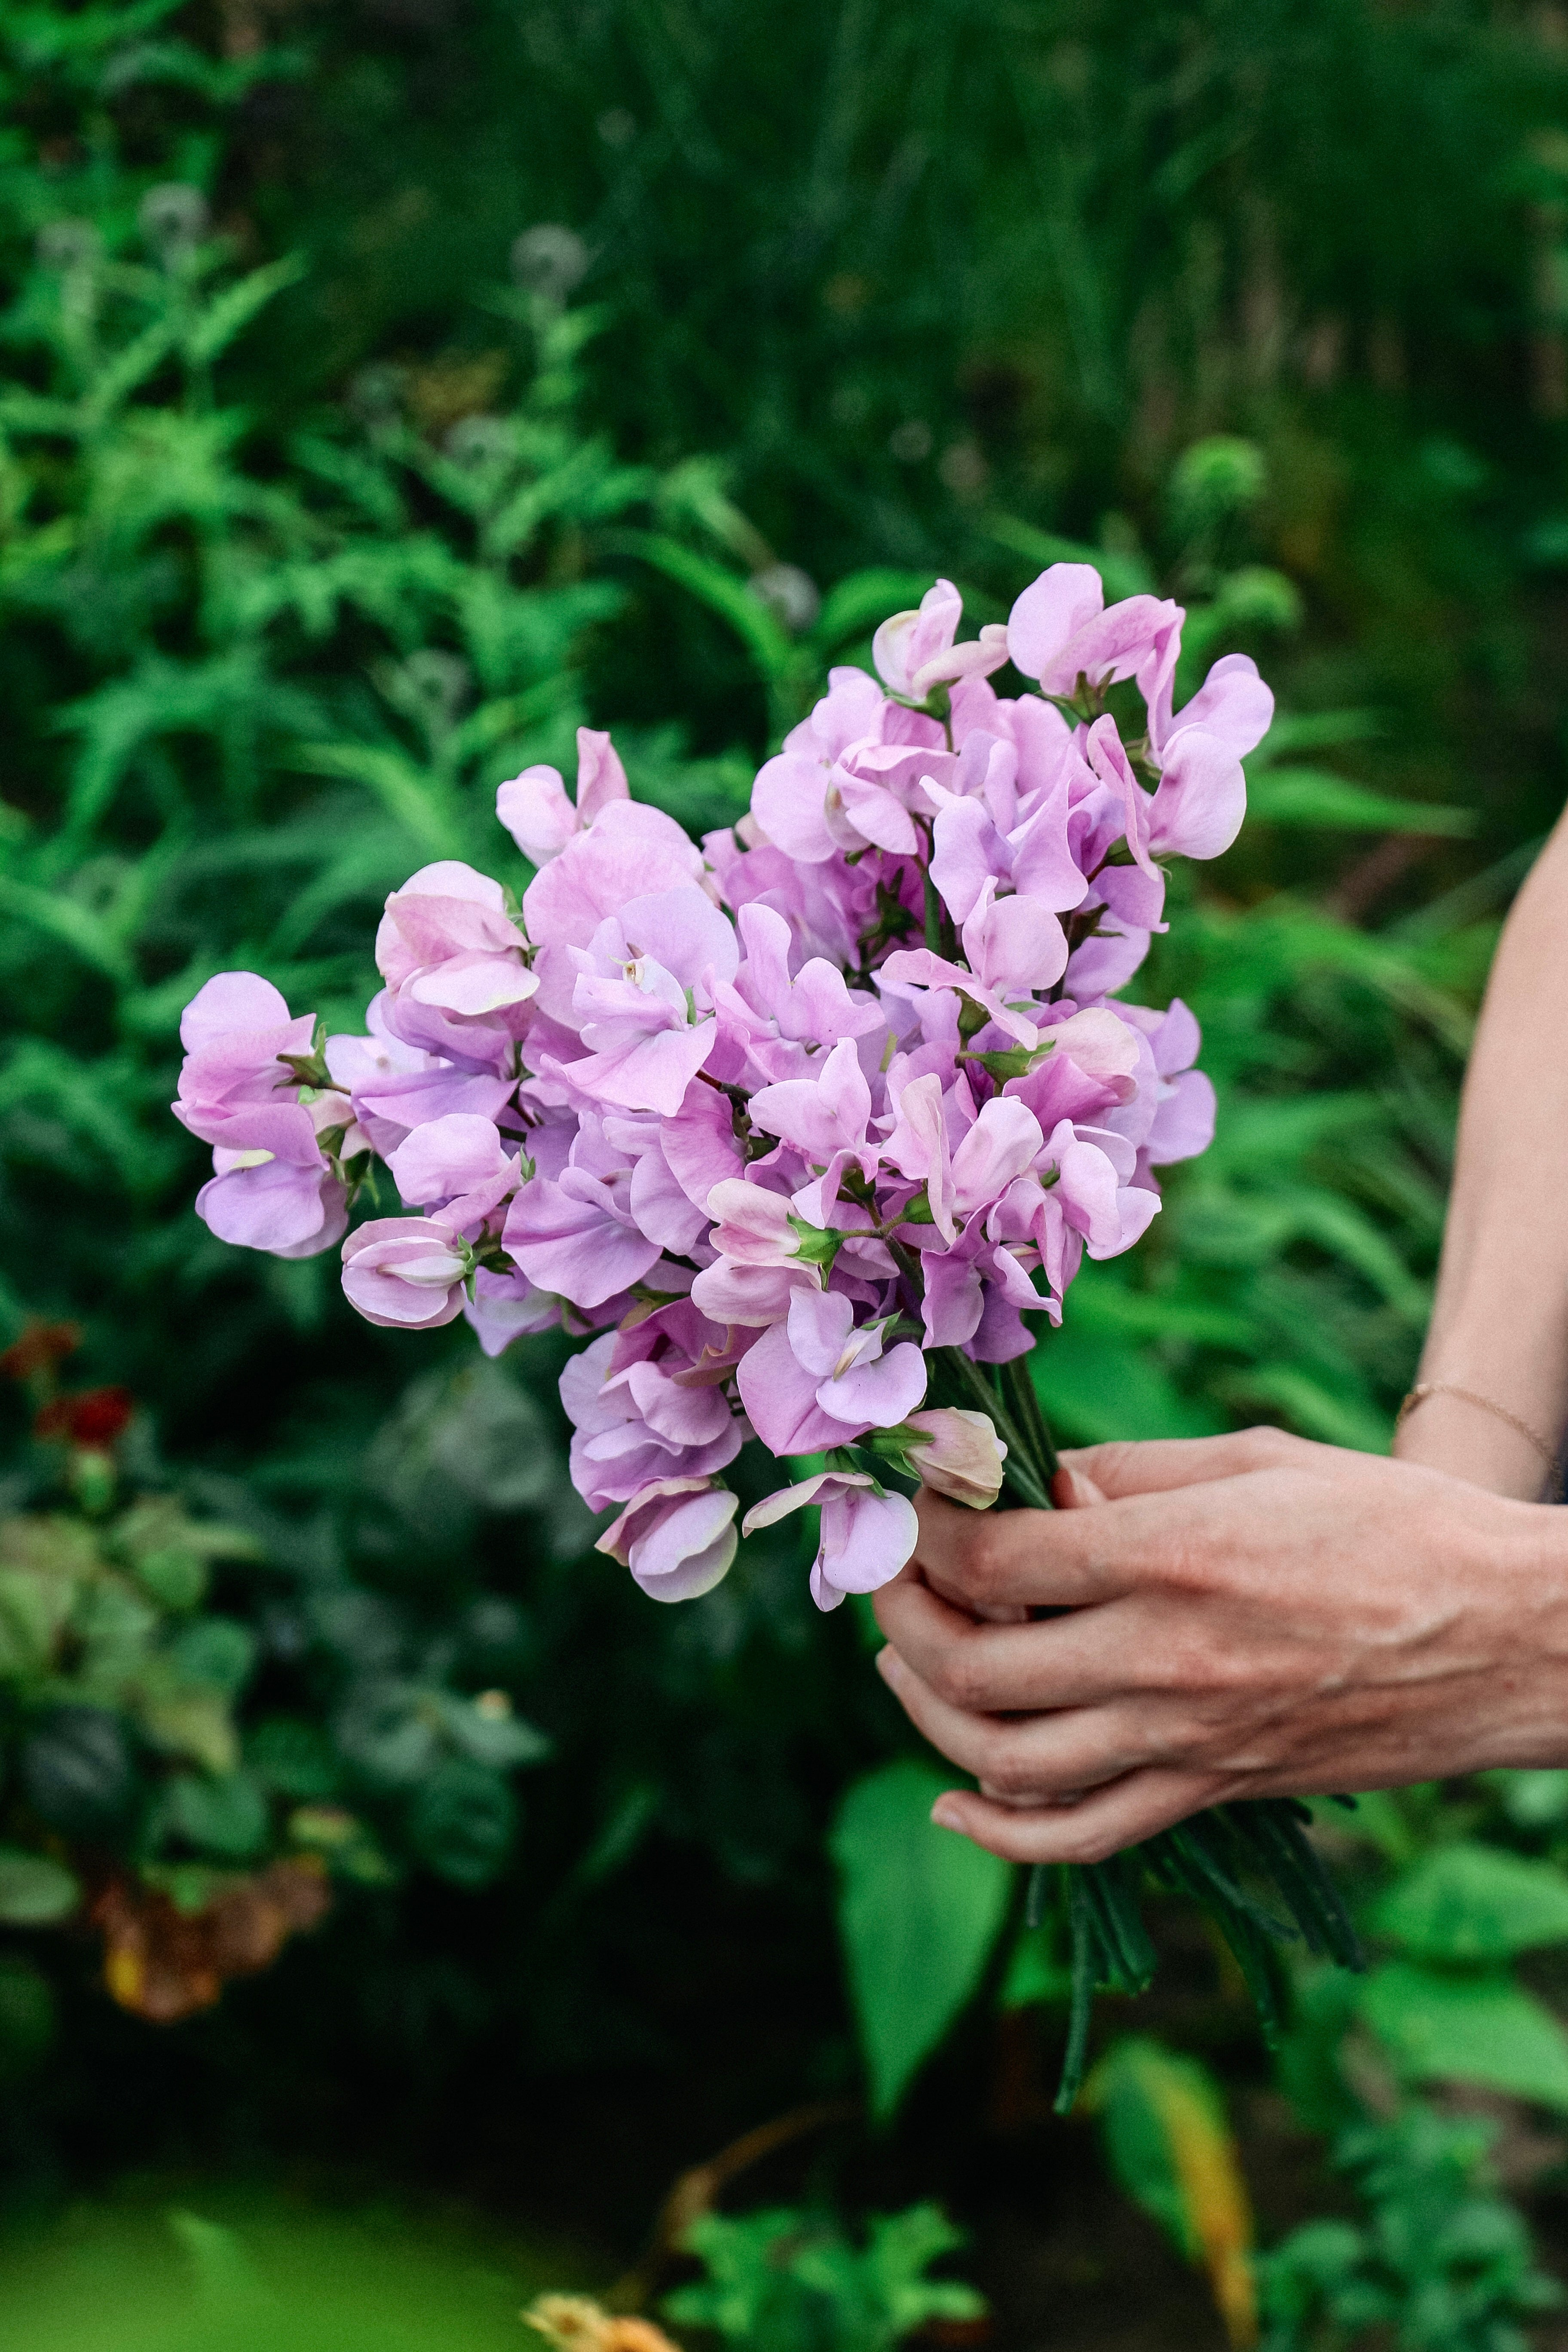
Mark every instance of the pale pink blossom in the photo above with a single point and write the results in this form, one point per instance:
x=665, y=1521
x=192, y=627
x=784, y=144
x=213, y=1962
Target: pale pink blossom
x=406, y=1273
x=915, y=652
x=959, y=1455
x=676, y=1536
x=867, y=1536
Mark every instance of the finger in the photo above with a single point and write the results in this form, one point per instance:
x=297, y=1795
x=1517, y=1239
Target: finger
x=1158, y=1465
x=1061, y=1559
x=1075, y=1660
x=1022, y=1757
x=1120, y=1814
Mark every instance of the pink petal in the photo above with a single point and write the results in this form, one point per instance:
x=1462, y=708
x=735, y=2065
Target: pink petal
x=1202, y=797
x=780, y=1397
x=650, y=1074
x=1053, y=609
x=601, y=778
x=866, y=1540
x=1233, y=703
x=573, y=1248
x=881, y=1392
x=535, y=811
x=820, y=1321
x=230, y=1001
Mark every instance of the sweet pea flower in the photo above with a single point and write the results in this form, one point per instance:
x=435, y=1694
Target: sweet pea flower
x=407, y=1273
x=823, y=1115
x=457, y=1164
x=857, y=1382
x=915, y=652
x=453, y=961
x=258, y=1200
x=812, y=1007
x=575, y=1234
x=867, y=1535
x=959, y=1455
x=394, y=1087
x=818, y=1379
x=878, y=788
x=1196, y=810
x=502, y=1307
x=632, y=851
x=1033, y=859
x=616, y=1451
x=534, y=808
x=272, y=1188
x=676, y=1536
x=790, y=793
x=1184, y=1119
x=1060, y=630
x=237, y=1035
x=641, y=984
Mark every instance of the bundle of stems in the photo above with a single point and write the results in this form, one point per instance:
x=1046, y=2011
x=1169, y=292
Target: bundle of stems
x=1248, y=1864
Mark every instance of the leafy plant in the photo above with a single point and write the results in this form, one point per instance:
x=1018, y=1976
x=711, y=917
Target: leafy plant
x=789, y=2281
x=1441, y=2261
x=194, y=1821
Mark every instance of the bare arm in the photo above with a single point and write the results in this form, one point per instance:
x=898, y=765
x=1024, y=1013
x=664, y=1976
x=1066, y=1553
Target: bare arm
x=1499, y=1325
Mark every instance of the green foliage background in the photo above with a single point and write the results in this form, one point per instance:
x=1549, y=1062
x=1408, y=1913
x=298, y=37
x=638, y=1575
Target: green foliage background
x=325, y=503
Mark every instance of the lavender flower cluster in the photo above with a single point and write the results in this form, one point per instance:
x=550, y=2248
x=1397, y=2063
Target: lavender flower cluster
x=776, y=1116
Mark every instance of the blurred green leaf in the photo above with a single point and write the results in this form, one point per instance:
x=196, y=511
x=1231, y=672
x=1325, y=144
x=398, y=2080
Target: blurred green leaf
x=1468, y=2028
x=1470, y=1902
x=919, y=1910
x=35, y=1891
x=1317, y=796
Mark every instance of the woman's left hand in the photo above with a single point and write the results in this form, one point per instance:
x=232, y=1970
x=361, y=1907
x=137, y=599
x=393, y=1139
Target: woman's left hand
x=1247, y=1616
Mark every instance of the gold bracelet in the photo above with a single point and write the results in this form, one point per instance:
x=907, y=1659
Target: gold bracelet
x=1424, y=1389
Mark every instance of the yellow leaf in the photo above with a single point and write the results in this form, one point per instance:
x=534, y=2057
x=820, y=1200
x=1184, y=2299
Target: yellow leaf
x=1172, y=2152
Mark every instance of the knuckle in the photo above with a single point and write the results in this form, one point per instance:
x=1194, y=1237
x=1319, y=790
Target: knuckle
x=956, y=1677
x=1010, y=1774
x=1110, y=1463
x=1265, y=1447
x=973, y=1560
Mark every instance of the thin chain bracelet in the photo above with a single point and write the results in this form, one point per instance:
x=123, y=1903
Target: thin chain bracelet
x=1424, y=1389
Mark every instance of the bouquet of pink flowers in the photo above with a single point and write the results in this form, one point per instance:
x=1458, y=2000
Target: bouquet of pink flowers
x=800, y=1127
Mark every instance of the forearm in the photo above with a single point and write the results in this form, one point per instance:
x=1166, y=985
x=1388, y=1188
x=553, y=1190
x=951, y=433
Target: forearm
x=1500, y=1324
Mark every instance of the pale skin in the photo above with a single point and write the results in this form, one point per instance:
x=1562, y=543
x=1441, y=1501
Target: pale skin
x=1256, y=1615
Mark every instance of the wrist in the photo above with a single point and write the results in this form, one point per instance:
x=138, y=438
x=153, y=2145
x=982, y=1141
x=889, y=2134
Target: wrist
x=1471, y=1437
x=1522, y=1583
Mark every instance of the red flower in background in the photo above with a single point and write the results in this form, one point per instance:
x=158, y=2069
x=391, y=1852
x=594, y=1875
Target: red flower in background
x=92, y=1417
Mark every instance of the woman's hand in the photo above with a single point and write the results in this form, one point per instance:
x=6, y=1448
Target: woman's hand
x=1249, y=1616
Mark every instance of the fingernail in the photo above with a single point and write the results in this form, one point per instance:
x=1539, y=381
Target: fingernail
x=887, y=1663
x=946, y=1814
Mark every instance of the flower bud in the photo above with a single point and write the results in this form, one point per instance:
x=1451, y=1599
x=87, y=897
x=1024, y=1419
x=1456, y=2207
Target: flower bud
x=957, y=1454
x=407, y=1273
